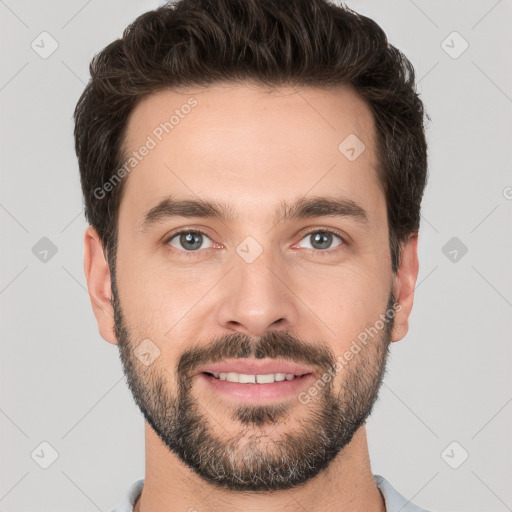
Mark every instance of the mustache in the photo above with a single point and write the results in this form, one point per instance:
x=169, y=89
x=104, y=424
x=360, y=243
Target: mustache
x=273, y=345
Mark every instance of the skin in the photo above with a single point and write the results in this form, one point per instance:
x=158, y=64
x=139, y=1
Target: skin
x=253, y=149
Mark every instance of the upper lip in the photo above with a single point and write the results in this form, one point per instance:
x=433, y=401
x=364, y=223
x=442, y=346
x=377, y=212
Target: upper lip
x=255, y=367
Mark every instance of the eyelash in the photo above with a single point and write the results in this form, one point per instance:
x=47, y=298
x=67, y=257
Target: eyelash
x=192, y=254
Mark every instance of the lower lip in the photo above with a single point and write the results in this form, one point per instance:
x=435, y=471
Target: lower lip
x=257, y=393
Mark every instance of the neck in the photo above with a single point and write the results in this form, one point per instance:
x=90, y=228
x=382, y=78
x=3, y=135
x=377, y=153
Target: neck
x=346, y=485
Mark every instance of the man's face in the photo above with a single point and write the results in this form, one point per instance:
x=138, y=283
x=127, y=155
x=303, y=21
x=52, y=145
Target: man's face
x=261, y=292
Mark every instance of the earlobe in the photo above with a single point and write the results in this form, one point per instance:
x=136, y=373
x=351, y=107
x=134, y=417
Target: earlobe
x=404, y=283
x=97, y=274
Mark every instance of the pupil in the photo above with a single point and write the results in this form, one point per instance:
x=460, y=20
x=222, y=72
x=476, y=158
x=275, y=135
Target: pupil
x=191, y=240
x=321, y=240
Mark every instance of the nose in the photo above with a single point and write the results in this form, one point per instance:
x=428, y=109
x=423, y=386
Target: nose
x=257, y=299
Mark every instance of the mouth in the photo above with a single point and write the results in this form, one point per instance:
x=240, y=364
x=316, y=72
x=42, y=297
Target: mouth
x=252, y=381
x=247, y=378
x=244, y=370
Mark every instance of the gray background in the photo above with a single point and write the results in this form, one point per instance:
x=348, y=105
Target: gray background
x=448, y=380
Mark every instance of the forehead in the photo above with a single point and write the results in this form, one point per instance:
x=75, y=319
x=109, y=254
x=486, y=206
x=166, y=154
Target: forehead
x=251, y=147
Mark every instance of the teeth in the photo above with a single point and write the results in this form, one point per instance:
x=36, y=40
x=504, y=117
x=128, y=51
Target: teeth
x=265, y=379
x=253, y=379
x=232, y=377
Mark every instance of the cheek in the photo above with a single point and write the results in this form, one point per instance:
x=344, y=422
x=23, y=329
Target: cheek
x=347, y=301
x=158, y=300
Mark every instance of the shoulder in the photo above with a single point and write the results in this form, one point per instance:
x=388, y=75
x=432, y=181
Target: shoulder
x=393, y=499
x=130, y=497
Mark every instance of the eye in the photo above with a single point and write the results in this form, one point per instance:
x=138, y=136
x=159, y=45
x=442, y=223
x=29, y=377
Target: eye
x=322, y=239
x=188, y=240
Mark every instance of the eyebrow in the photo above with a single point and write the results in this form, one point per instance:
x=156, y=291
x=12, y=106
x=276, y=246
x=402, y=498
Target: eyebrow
x=302, y=208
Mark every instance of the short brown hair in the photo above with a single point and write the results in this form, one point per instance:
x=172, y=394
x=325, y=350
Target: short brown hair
x=270, y=42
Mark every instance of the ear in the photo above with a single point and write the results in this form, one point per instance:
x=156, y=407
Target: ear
x=97, y=274
x=404, y=282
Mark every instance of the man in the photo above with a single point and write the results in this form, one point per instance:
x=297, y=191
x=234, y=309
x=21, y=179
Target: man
x=252, y=173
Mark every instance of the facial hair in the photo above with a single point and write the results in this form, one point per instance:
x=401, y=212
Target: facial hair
x=254, y=460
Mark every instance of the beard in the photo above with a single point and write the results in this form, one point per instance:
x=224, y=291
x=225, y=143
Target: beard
x=256, y=457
